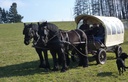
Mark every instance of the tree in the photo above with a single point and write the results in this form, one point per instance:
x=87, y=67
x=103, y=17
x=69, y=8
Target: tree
x=4, y=16
x=13, y=15
x=95, y=7
x=0, y=15
x=77, y=8
x=117, y=8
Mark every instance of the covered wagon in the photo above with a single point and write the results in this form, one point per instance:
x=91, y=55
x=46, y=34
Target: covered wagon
x=113, y=35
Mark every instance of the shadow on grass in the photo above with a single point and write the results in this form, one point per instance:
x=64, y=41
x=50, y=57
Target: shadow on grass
x=31, y=68
x=23, y=69
x=104, y=74
x=91, y=59
x=28, y=68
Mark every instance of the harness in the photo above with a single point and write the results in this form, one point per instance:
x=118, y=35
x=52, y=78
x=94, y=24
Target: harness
x=38, y=38
x=66, y=41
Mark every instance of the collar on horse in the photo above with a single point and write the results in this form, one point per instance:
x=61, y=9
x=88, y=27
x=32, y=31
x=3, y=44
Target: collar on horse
x=64, y=39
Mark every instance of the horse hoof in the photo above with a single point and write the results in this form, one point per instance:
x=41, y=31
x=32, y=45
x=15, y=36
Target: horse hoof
x=47, y=70
x=85, y=66
x=55, y=69
x=66, y=68
x=48, y=67
x=63, y=70
x=41, y=66
x=79, y=64
x=73, y=59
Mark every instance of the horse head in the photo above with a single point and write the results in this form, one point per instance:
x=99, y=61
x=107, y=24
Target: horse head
x=48, y=32
x=29, y=32
x=44, y=32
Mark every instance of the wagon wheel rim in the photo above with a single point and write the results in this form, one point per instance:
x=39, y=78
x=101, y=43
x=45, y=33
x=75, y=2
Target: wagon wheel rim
x=118, y=51
x=101, y=56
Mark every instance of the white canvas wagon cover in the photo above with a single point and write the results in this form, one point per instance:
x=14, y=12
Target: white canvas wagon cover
x=114, y=29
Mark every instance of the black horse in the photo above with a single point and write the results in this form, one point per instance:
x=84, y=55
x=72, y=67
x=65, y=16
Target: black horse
x=76, y=41
x=52, y=37
x=30, y=31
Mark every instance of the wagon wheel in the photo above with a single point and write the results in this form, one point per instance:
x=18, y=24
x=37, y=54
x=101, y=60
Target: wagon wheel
x=118, y=51
x=101, y=56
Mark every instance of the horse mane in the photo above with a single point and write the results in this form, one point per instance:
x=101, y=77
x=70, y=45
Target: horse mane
x=52, y=27
x=34, y=26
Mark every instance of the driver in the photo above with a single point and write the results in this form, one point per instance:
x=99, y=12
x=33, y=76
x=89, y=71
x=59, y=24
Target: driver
x=84, y=26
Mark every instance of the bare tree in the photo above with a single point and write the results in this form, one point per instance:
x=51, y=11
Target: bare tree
x=77, y=8
x=117, y=8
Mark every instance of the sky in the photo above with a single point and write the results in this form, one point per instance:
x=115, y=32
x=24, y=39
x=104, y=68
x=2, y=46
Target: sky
x=42, y=10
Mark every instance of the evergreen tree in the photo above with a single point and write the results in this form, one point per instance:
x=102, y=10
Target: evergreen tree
x=0, y=15
x=13, y=16
x=4, y=16
x=7, y=16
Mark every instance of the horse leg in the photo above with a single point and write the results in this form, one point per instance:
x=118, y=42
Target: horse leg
x=67, y=59
x=67, y=56
x=64, y=64
x=42, y=62
x=55, y=62
x=84, y=57
x=85, y=61
x=73, y=55
x=46, y=59
x=80, y=57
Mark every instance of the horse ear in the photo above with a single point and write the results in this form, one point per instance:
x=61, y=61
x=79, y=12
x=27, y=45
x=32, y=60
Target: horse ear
x=38, y=23
x=24, y=24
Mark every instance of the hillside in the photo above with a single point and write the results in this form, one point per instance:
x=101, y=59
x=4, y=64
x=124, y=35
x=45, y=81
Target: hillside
x=19, y=63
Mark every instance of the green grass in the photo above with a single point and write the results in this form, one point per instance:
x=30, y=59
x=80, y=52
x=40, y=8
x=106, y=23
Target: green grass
x=19, y=63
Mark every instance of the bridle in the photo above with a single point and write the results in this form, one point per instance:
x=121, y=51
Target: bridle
x=31, y=34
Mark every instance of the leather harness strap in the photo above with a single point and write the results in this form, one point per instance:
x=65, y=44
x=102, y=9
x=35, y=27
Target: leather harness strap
x=77, y=35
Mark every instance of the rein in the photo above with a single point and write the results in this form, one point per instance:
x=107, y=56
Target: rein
x=45, y=43
x=74, y=47
x=52, y=37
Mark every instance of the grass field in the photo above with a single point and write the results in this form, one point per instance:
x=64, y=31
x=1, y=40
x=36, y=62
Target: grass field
x=19, y=63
